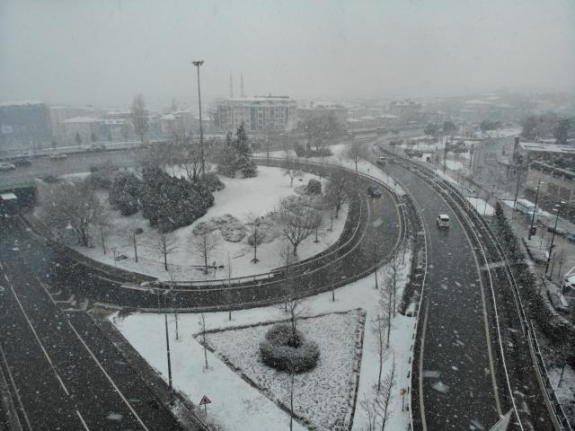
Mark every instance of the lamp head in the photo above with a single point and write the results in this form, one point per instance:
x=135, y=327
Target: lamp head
x=198, y=63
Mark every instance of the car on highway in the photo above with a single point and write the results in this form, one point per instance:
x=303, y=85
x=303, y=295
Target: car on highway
x=22, y=161
x=374, y=192
x=58, y=156
x=442, y=220
x=4, y=166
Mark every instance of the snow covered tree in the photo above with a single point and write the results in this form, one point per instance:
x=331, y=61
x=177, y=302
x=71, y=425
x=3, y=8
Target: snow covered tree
x=72, y=206
x=354, y=152
x=338, y=189
x=202, y=323
x=140, y=116
x=298, y=221
x=164, y=244
x=292, y=169
x=205, y=244
x=256, y=235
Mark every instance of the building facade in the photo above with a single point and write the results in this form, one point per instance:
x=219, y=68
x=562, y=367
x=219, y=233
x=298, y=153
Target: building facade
x=259, y=113
x=24, y=126
x=338, y=112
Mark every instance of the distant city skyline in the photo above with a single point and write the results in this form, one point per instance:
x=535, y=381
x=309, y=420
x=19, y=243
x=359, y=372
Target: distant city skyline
x=103, y=53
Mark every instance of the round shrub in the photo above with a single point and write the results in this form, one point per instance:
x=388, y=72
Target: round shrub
x=285, y=351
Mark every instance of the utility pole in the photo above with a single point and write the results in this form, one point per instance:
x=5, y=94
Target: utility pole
x=552, y=238
x=535, y=209
x=198, y=63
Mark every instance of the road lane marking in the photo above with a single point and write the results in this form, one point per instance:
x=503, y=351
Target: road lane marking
x=38, y=340
x=82, y=420
x=13, y=383
x=95, y=359
x=108, y=377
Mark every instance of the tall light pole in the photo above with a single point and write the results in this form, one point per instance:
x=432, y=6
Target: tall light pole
x=198, y=63
x=558, y=206
x=535, y=209
x=160, y=293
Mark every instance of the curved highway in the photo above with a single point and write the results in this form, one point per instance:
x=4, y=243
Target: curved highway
x=464, y=380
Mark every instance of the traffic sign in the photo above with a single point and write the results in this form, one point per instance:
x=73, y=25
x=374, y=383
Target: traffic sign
x=205, y=400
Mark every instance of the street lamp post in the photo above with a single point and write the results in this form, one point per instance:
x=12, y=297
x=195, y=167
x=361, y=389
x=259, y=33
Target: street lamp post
x=159, y=292
x=535, y=209
x=198, y=63
x=553, y=237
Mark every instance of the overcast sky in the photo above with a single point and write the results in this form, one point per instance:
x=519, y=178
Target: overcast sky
x=103, y=52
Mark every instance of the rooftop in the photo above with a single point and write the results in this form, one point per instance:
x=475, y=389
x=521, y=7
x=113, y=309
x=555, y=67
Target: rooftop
x=82, y=120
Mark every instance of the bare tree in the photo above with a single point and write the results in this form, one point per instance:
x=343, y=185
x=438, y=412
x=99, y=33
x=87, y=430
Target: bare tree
x=256, y=235
x=292, y=305
x=202, y=323
x=298, y=221
x=354, y=152
x=173, y=276
x=205, y=243
x=140, y=116
x=191, y=160
x=385, y=307
x=379, y=325
x=383, y=397
x=338, y=189
x=164, y=244
x=72, y=206
x=228, y=291
x=392, y=281
x=292, y=169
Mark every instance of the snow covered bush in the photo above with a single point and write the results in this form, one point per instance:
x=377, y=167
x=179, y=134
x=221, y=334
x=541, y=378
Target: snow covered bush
x=212, y=182
x=124, y=192
x=314, y=187
x=286, y=351
x=170, y=203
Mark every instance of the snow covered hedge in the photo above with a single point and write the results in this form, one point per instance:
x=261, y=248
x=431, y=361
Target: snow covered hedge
x=284, y=351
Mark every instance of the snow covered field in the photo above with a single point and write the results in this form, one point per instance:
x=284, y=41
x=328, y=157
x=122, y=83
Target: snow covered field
x=325, y=396
x=240, y=198
x=239, y=406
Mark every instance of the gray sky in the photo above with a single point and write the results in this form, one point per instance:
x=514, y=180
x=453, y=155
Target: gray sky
x=104, y=51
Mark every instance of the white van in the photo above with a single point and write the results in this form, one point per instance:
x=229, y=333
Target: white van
x=443, y=220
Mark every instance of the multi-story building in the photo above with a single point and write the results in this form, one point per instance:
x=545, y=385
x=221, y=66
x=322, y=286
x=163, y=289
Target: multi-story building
x=24, y=126
x=406, y=110
x=60, y=113
x=86, y=128
x=338, y=112
x=259, y=113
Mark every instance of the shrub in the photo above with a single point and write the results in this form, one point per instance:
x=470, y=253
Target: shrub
x=212, y=182
x=170, y=203
x=286, y=352
x=314, y=187
x=125, y=191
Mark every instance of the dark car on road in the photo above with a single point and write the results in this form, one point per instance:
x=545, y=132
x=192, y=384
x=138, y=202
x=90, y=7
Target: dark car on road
x=22, y=161
x=374, y=192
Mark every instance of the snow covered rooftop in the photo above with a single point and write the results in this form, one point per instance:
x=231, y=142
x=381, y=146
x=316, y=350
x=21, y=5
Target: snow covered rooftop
x=21, y=103
x=82, y=120
x=546, y=148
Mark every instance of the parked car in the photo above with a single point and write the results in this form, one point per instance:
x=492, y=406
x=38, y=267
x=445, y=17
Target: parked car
x=22, y=161
x=58, y=156
x=374, y=192
x=443, y=220
x=570, y=237
x=6, y=166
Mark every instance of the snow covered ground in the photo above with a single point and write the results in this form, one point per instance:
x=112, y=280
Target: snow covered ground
x=567, y=389
x=324, y=396
x=238, y=405
x=240, y=198
x=338, y=158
